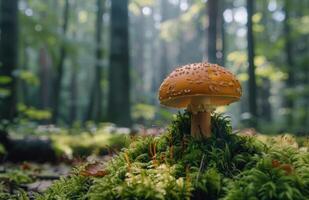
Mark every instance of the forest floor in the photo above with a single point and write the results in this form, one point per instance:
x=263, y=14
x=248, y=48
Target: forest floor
x=92, y=151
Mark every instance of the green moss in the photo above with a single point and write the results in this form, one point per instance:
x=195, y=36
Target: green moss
x=177, y=166
x=85, y=144
x=266, y=182
x=74, y=187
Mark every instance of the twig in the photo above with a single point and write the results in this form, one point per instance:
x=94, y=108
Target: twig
x=45, y=177
x=200, y=168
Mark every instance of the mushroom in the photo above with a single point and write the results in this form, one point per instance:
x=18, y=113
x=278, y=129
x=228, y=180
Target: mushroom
x=200, y=87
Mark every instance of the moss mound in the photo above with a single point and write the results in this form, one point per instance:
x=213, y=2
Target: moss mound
x=176, y=166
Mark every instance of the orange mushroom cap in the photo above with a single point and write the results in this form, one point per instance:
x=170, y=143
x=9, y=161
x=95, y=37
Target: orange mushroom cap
x=199, y=85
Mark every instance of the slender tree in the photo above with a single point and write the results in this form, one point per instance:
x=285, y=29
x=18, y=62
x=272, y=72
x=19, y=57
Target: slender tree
x=212, y=9
x=251, y=68
x=163, y=46
x=22, y=85
x=60, y=66
x=290, y=82
x=95, y=103
x=45, y=73
x=266, y=110
x=139, y=25
x=264, y=89
x=8, y=57
x=73, y=108
x=119, y=76
x=73, y=93
x=180, y=36
x=221, y=34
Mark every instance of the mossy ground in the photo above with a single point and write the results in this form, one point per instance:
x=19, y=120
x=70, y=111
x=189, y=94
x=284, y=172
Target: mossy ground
x=176, y=166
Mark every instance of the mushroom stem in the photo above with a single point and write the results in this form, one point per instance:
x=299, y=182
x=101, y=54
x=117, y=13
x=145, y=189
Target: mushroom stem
x=201, y=124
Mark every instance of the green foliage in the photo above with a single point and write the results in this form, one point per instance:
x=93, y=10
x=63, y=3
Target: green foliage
x=16, y=177
x=85, y=143
x=145, y=183
x=208, y=184
x=33, y=113
x=17, y=195
x=143, y=112
x=264, y=69
x=176, y=166
x=29, y=77
x=2, y=150
x=5, y=80
x=10, y=182
x=148, y=115
x=301, y=24
x=267, y=182
x=74, y=187
x=172, y=28
x=136, y=6
x=4, y=92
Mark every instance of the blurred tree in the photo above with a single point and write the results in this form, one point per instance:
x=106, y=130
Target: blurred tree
x=118, y=110
x=290, y=82
x=60, y=66
x=45, y=72
x=95, y=103
x=261, y=24
x=8, y=58
x=73, y=107
x=251, y=68
x=221, y=34
x=24, y=93
x=138, y=58
x=73, y=83
x=212, y=9
x=180, y=36
x=164, y=65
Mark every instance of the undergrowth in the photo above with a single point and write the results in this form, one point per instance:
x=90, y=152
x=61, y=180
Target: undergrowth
x=177, y=166
x=10, y=183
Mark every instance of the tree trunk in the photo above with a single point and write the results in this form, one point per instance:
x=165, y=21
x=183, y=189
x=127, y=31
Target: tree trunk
x=8, y=57
x=305, y=118
x=290, y=82
x=265, y=104
x=164, y=55
x=212, y=9
x=181, y=59
x=23, y=85
x=73, y=93
x=265, y=88
x=252, y=89
x=221, y=34
x=119, y=74
x=59, y=74
x=45, y=72
x=95, y=103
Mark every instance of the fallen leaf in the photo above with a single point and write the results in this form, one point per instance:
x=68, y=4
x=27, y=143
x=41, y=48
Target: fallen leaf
x=25, y=166
x=94, y=169
x=287, y=168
